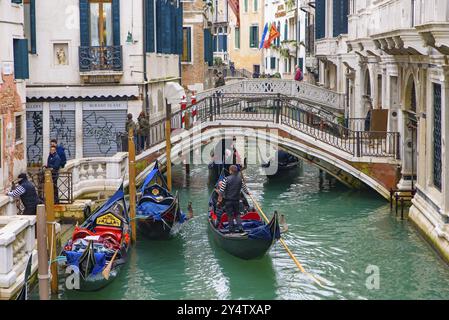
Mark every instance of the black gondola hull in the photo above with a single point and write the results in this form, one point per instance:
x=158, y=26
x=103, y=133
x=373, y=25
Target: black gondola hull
x=241, y=247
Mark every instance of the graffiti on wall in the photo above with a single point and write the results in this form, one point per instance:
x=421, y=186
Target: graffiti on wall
x=62, y=130
x=35, y=143
x=103, y=131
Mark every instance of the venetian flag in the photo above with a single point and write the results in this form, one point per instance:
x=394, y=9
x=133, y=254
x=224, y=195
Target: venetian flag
x=264, y=35
x=274, y=33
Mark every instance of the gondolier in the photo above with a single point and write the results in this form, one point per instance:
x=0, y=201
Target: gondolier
x=27, y=193
x=230, y=190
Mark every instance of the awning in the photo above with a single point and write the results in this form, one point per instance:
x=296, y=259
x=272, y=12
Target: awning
x=174, y=93
x=88, y=92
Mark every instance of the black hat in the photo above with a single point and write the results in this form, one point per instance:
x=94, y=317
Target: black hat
x=23, y=176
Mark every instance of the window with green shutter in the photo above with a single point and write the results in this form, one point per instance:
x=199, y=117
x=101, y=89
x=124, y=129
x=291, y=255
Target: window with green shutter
x=237, y=38
x=256, y=5
x=21, y=69
x=16, y=1
x=245, y=3
x=273, y=63
x=253, y=36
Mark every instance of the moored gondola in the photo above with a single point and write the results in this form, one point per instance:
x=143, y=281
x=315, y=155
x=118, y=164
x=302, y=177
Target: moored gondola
x=254, y=242
x=98, y=248
x=281, y=163
x=158, y=213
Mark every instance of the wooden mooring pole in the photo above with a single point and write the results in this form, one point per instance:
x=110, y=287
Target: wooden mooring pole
x=51, y=228
x=168, y=143
x=187, y=127
x=132, y=184
x=42, y=255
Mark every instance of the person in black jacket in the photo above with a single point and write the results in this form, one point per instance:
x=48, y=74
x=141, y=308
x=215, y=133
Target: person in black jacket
x=54, y=163
x=230, y=190
x=27, y=193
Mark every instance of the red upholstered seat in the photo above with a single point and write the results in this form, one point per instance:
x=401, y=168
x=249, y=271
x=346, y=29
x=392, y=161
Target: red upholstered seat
x=105, y=232
x=251, y=216
x=102, y=231
x=247, y=217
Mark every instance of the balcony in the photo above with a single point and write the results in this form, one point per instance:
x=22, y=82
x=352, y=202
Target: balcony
x=101, y=64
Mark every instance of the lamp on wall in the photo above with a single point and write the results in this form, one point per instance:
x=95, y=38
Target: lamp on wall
x=129, y=38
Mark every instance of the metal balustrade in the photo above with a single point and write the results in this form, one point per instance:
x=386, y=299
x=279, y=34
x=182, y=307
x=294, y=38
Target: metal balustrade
x=100, y=58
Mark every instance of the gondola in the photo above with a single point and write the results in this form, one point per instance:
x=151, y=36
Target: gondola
x=104, y=238
x=258, y=237
x=158, y=213
x=285, y=162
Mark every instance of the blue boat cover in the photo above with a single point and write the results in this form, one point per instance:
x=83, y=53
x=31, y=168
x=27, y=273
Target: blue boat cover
x=74, y=256
x=151, y=209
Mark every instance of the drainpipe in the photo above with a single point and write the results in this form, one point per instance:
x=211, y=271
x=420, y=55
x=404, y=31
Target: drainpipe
x=144, y=52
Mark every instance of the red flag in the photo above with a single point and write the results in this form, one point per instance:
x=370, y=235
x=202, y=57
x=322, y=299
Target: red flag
x=234, y=4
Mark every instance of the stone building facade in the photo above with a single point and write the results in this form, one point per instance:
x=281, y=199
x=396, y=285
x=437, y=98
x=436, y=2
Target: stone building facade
x=246, y=23
x=197, y=54
x=13, y=74
x=393, y=55
x=95, y=62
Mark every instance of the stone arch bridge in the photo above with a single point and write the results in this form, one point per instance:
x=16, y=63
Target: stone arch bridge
x=300, y=118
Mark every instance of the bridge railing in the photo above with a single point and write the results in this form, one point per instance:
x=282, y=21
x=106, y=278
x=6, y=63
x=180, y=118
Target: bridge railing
x=307, y=92
x=321, y=125
x=313, y=121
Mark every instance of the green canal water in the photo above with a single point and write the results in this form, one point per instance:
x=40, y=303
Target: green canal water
x=336, y=233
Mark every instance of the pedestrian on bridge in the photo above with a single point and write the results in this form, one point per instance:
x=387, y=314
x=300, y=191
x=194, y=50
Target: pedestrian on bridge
x=60, y=150
x=143, y=131
x=27, y=194
x=298, y=74
x=54, y=164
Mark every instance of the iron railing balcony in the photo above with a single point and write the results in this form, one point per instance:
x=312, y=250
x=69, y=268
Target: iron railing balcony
x=98, y=58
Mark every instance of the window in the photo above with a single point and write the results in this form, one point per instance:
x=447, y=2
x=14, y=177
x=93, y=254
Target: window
x=16, y=1
x=101, y=23
x=19, y=128
x=253, y=36
x=186, y=44
x=245, y=4
x=285, y=66
x=237, y=38
x=255, y=5
x=273, y=63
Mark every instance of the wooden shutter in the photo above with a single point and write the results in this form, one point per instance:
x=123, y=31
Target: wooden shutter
x=84, y=23
x=21, y=69
x=149, y=27
x=33, y=26
x=340, y=17
x=320, y=19
x=116, y=22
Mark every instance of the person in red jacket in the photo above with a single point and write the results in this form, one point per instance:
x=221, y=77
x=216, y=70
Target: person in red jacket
x=298, y=73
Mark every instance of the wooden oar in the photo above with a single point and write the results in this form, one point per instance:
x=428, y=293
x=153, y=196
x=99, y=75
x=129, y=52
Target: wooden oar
x=107, y=270
x=284, y=244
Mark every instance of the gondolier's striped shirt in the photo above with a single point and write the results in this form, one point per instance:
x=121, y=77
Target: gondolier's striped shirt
x=17, y=192
x=224, y=182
